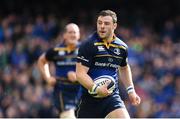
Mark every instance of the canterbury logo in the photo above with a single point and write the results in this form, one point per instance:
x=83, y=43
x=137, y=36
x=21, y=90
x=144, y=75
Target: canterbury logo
x=101, y=48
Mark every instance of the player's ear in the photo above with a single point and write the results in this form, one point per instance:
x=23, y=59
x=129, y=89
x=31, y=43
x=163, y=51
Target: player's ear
x=64, y=35
x=79, y=35
x=115, y=25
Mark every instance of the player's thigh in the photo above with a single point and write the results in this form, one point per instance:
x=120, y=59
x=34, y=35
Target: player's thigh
x=118, y=113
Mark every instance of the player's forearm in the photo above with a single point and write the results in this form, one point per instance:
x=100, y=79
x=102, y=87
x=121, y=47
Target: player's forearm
x=43, y=67
x=126, y=76
x=83, y=78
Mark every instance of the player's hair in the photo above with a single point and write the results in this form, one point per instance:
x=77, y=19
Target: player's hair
x=109, y=13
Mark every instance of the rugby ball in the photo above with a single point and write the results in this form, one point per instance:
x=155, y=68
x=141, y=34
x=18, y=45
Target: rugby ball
x=102, y=80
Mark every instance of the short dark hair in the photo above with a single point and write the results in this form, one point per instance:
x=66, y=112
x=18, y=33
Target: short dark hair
x=109, y=13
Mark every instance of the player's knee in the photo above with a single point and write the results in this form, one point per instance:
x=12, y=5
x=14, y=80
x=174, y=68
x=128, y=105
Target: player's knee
x=68, y=114
x=118, y=113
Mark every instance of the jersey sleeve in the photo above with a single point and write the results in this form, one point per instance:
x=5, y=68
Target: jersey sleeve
x=85, y=54
x=50, y=54
x=125, y=59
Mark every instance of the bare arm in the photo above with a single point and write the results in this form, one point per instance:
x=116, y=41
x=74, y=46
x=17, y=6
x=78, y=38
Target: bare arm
x=43, y=66
x=86, y=81
x=126, y=76
x=72, y=76
x=82, y=76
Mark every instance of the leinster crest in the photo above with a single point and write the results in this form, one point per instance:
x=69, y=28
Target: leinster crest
x=117, y=51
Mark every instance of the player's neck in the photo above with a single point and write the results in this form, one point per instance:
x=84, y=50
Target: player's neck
x=71, y=46
x=109, y=39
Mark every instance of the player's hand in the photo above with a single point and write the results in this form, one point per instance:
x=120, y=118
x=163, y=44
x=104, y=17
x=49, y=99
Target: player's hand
x=71, y=76
x=134, y=98
x=103, y=90
x=51, y=81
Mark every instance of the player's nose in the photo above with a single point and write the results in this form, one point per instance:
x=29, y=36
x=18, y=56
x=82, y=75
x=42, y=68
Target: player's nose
x=102, y=25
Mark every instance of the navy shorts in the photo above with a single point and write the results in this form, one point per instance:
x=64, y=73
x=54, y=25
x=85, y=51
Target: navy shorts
x=90, y=107
x=65, y=96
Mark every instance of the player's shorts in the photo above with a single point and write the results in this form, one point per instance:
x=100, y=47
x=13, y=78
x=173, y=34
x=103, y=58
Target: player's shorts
x=90, y=107
x=65, y=96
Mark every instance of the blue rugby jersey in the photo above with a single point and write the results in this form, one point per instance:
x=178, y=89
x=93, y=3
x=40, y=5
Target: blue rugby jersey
x=103, y=58
x=63, y=58
x=65, y=94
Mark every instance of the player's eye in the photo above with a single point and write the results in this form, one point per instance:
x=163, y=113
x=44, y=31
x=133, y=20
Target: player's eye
x=99, y=22
x=107, y=23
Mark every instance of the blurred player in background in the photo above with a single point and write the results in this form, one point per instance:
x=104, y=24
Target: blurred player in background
x=104, y=54
x=65, y=82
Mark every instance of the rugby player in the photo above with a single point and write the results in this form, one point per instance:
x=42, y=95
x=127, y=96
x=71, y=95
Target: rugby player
x=65, y=83
x=104, y=54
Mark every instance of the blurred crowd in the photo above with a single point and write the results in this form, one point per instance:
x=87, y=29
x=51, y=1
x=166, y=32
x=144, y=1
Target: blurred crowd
x=153, y=56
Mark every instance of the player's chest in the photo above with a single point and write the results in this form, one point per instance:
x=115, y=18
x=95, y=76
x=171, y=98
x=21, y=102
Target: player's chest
x=66, y=56
x=108, y=57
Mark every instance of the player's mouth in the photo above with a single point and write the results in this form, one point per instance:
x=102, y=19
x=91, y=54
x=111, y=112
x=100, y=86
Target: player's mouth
x=102, y=32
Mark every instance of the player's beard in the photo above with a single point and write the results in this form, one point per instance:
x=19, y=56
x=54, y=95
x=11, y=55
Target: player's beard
x=105, y=35
x=72, y=42
x=102, y=35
